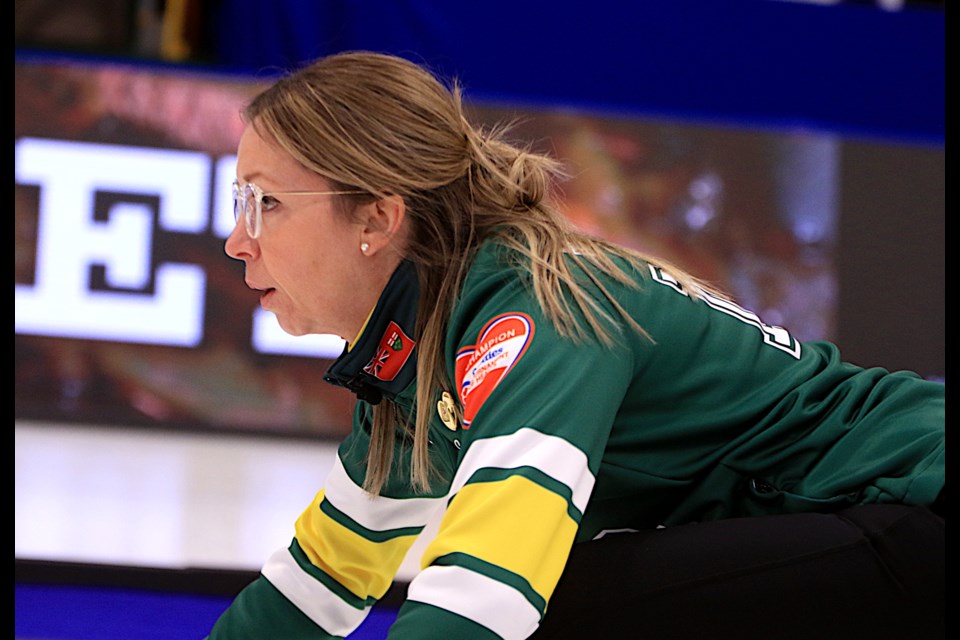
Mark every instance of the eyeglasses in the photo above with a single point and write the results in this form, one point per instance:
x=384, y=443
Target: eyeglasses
x=248, y=202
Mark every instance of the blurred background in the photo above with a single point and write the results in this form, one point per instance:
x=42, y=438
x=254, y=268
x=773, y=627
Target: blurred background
x=167, y=433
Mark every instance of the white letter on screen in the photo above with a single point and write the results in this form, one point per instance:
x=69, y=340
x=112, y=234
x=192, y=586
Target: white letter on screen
x=70, y=241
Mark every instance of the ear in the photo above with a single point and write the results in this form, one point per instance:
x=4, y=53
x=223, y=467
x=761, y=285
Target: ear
x=382, y=223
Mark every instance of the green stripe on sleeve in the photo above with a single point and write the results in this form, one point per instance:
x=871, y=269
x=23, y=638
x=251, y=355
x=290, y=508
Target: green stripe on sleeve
x=327, y=580
x=493, y=474
x=261, y=611
x=374, y=536
x=421, y=621
x=494, y=572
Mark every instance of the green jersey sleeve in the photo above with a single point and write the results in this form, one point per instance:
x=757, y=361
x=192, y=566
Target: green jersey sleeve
x=347, y=548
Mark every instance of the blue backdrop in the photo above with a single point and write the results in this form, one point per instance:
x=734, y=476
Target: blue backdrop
x=851, y=68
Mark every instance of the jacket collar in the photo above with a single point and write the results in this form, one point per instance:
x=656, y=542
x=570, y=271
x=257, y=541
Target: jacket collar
x=383, y=359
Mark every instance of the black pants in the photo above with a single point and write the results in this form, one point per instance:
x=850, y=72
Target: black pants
x=873, y=572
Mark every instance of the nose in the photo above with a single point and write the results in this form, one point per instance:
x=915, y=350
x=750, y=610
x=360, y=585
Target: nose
x=238, y=244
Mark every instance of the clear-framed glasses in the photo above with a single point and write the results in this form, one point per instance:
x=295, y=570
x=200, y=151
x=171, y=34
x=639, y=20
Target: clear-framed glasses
x=248, y=202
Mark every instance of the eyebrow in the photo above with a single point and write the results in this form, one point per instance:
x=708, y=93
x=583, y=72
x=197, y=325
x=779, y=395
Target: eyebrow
x=250, y=177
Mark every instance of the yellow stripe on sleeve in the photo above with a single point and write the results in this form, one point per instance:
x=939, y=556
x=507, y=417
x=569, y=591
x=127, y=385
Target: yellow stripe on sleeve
x=364, y=567
x=513, y=523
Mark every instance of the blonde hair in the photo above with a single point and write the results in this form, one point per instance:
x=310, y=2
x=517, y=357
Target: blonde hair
x=387, y=126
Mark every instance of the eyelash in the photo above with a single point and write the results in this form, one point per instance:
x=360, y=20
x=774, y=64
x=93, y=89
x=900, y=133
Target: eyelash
x=268, y=202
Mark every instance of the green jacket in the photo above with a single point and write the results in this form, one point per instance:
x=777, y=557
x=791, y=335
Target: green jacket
x=713, y=414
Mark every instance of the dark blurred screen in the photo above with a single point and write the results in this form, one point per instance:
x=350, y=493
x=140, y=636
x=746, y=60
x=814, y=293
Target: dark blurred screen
x=128, y=312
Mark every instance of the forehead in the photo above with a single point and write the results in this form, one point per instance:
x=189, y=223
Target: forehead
x=260, y=159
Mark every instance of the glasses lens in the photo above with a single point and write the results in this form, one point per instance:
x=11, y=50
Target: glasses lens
x=251, y=202
x=246, y=204
x=238, y=203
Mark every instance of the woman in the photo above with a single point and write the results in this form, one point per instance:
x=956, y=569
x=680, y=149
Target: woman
x=548, y=390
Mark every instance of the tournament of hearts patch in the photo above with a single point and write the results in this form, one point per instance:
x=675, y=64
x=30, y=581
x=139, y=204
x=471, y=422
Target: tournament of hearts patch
x=481, y=367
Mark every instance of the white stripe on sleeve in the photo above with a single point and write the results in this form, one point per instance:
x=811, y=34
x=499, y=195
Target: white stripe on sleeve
x=494, y=605
x=377, y=513
x=318, y=603
x=550, y=454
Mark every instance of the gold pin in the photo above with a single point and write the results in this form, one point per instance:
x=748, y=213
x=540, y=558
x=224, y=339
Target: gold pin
x=446, y=409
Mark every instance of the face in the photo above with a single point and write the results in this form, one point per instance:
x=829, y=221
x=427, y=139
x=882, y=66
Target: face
x=307, y=262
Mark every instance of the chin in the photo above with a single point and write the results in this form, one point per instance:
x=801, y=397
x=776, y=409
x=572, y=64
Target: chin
x=291, y=328
x=295, y=332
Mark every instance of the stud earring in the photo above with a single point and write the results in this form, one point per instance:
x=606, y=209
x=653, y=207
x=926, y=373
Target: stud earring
x=364, y=247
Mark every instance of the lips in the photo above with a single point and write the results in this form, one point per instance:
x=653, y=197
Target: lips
x=264, y=295
x=256, y=287
x=264, y=291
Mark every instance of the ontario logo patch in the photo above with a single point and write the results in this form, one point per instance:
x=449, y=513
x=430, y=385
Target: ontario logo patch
x=392, y=353
x=481, y=367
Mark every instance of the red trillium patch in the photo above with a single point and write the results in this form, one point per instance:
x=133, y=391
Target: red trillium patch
x=392, y=353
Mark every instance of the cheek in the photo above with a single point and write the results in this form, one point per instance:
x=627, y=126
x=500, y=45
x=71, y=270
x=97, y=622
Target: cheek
x=311, y=269
x=311, y=256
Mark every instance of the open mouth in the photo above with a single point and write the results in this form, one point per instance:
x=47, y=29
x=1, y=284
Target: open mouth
x=265, y=292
